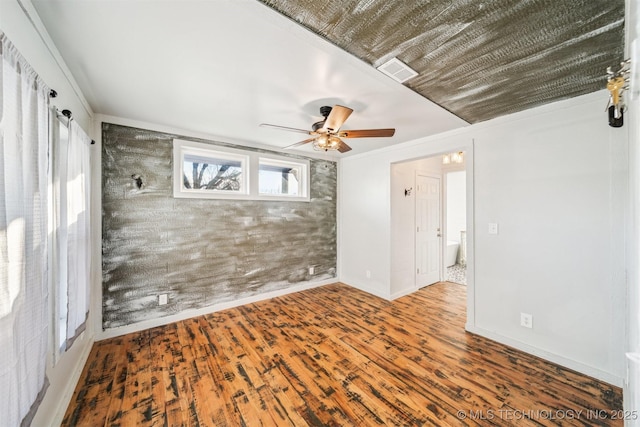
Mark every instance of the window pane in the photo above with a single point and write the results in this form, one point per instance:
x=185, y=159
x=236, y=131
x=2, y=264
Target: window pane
x=279, y=180
x=209, y=173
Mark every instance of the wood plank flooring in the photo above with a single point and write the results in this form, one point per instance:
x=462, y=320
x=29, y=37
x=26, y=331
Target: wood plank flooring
x=331, y=356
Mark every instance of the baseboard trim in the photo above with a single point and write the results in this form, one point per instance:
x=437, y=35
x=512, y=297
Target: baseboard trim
x=403, y=293
x=70, y=386
x=551, y=357
x=366, y=289
x=187, y=314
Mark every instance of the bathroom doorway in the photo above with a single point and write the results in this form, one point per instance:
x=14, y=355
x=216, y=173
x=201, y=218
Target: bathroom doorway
x=406, y=221
x=456, y=224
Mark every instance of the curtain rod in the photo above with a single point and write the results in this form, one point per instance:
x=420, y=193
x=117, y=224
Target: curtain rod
x=67, y=113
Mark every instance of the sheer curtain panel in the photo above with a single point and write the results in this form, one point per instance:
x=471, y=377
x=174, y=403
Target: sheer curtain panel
x=74, y=232
x=24, y=315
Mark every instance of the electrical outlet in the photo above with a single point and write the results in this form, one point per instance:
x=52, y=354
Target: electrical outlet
x=526, y=320
x=368, y=274
x=163, y=299
x=312, y=271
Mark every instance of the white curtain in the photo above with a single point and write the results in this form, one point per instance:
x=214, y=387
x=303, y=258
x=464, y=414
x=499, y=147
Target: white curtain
x=72, y=172
x=24, y=313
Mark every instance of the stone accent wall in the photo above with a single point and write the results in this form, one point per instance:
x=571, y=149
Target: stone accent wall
x=200, y=251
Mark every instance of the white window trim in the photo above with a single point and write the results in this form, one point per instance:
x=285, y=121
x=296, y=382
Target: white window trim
x=303, y=179
x=182, y=148
x=250, y=161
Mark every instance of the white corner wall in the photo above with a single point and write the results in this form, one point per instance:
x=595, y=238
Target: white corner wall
x=19, y=21
x=456, y=204
x=554, y=179
x=632, y=118
x=555, y=182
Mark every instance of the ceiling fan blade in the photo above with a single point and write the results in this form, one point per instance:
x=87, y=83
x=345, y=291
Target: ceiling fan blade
x=343, y=148
x=366, y=133
x=267, y=125
x=297, y=144
x=336, y=118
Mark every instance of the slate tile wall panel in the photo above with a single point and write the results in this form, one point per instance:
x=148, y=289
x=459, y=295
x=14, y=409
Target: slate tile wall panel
x=200, y=251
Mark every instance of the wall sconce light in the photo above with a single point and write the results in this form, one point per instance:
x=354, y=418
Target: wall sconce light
x=137, y=179
x=617, y=83
x=407, y=191
x=457, y=157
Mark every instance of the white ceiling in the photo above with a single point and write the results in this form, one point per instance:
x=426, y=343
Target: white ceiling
x=222, y=67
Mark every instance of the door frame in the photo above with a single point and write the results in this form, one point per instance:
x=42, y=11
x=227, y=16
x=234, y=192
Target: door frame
x=438, y=149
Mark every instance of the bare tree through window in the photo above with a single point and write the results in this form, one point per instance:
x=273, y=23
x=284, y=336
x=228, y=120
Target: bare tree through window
x=215, y=174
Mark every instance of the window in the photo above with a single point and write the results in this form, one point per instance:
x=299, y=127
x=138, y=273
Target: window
x=281, y=178
x=212, y=174
x=204, y=171
x=215, y=172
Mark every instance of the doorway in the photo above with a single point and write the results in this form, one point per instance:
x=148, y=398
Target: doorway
x=415, y=262
x=456, y=229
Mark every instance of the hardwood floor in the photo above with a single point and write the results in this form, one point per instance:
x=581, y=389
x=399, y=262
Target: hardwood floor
x=331, y=356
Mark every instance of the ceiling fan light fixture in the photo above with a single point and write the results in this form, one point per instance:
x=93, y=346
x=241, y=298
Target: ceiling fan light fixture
x=326, y=142
x=321, y=143
x=334, y=143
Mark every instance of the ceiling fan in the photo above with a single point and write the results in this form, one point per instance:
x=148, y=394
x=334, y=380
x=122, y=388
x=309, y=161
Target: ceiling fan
x=326, y=133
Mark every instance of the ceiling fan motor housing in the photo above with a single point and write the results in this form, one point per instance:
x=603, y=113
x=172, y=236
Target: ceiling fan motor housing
x=317, y=125
x=324, y=111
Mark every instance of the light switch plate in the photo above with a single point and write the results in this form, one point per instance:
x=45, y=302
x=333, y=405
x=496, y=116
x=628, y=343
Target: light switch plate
x=526, y=320
x=493, y=228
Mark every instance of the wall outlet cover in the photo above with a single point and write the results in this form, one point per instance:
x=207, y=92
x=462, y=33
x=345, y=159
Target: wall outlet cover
x=526, y=320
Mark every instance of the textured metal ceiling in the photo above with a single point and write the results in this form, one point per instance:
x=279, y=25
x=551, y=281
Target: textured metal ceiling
x=478, y=59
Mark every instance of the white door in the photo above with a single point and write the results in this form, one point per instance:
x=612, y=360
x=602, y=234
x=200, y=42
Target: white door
x=428, y=234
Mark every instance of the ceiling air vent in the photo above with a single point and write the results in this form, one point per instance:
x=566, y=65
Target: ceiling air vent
x=397, y=70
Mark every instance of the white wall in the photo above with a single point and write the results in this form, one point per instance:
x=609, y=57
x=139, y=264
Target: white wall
x=21, y=27
x=456, y=204
x=632, y=119
x=554, y=178
x=554, y=184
